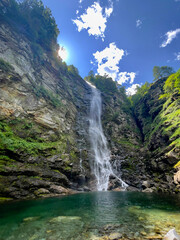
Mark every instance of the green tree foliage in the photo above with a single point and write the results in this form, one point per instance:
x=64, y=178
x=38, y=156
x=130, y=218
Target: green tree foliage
x=103, y=83
x=73, y=70
x=33, y=19
x=126, y=104
x=106, y=85
x=141, y=91
x=160, y=72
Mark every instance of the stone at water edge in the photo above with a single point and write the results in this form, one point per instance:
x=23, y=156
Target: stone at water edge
x=115, y=236
x=172, y=235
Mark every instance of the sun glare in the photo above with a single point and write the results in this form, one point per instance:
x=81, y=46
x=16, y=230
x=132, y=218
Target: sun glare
x=63, y=53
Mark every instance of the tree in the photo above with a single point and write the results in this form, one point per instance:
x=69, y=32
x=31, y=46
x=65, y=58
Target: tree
x=31, y=17
x=160, y=72
x=141, y=91
x=73, y=70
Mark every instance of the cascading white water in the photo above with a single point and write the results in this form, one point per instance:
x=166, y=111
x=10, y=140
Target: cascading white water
x=100, y=165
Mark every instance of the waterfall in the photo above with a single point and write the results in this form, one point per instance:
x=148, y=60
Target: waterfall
x=100, y=164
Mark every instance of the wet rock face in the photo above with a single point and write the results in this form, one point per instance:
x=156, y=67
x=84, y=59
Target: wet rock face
x=41, y=110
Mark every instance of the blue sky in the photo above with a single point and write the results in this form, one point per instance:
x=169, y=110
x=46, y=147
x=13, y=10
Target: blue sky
x=122, y=38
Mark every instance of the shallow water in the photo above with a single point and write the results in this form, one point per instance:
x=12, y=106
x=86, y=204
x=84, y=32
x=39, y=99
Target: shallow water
x=91, y=216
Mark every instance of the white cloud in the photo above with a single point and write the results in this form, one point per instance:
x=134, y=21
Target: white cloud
x=108, y=60
x=108, y=12
x=170, y=36
x=124, y=77
x=107, y=64
x=94, y=20
x=138, y=23
x=132, y=89
x=177, y=56
x=80, y=1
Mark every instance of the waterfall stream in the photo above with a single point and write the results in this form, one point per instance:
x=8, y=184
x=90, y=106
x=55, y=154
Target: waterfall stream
x=100, y=165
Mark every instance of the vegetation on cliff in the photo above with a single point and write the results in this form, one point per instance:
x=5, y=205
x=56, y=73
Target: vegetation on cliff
x=104, y=83
x=171, y=111
x=40, y=99
x=33, y=19
x=157, y=109
x=161, y=72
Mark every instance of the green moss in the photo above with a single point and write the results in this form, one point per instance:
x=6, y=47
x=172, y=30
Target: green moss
x=5, y=158
x=36, y=177
x=73, y=155
x=53, y=99
x=168, y=121
x=125, y=142
x=6, y=161
x=67, y=168
x=3, y=199
x=176, y=143
x=11, y=142
x=25, y=128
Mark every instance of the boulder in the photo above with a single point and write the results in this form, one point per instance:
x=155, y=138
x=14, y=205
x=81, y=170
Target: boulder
x=150, y=190
x=146, y=184
x=177, y=177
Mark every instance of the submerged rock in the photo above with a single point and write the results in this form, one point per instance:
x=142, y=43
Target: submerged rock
x=30, y=219
x=172, y=235
x=65, y=219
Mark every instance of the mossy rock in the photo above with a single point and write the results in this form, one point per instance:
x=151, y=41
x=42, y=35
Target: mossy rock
x=4, y=199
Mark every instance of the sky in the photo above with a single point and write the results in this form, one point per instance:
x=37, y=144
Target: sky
x=124, y=39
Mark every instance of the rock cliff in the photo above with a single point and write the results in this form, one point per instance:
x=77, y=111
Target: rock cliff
x=144, y=141
x=43, y=136
x=44, y=109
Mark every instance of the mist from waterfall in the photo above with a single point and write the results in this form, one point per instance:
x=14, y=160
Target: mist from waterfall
x=100, y=165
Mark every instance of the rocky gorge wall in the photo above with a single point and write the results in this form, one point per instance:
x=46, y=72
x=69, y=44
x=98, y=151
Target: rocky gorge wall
x=142, y=140
x=42, y=128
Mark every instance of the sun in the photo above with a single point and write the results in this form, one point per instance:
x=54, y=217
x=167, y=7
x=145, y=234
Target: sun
x=63, y=53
